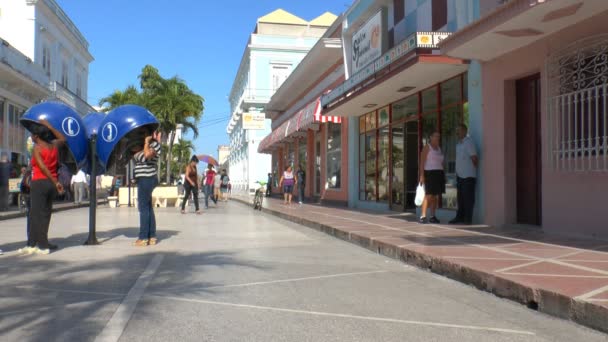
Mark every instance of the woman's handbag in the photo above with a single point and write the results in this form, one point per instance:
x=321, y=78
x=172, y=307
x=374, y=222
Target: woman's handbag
x=419, y=195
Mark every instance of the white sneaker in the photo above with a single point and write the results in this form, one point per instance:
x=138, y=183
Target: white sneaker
x=26, y=250
x=42, y=251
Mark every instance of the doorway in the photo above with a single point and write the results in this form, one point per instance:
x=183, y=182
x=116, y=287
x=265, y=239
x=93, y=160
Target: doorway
x=528, y=150
x=404, y=169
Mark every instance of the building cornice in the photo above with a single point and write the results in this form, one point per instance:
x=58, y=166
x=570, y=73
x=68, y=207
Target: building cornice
x=67, y=23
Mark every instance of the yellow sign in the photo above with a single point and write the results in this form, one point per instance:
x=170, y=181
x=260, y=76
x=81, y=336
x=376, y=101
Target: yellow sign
x=254, y=121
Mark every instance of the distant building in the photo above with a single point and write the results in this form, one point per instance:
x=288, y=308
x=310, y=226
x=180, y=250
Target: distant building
x=223, y=152
x=278, y=43
x=43, y=56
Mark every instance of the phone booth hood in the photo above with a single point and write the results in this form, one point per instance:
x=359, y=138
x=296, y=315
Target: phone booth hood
x=120, y=131
x=67, y=121
x=92, y=122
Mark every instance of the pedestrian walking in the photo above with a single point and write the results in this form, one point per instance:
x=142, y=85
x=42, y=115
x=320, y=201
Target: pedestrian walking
x=146, y=174
x=287, y=182
x=191, y=186
x=269, y=185
x=43, y=187
x=79, y=181
x=224, y=183
x=217, y=184
x=301, y=180
x=466, y=176
x=24, y=191
x=432, y=177
x=209, y=182
x=65, y=178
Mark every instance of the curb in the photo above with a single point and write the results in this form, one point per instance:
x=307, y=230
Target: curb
x=545, y=301
x=19, y=214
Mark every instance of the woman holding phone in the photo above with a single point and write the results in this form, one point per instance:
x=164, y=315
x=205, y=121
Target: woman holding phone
x=146, y=174
x=44, y=186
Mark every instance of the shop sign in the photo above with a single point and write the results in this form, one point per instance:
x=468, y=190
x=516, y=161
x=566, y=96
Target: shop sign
x=367, y=43
x=416, y=40
x=254, y=121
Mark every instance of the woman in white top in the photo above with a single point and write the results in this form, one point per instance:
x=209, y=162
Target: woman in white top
x=288, y=182
x=432, y=176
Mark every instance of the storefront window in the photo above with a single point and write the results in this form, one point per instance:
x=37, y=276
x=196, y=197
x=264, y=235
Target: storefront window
x=429, y=125
x=451, y=92
x=405, y=108
x=383, y=164
x=375, y=150
x=429, y=100
x=334, y=155
x=302, y=154
x=383, y=116
x=370, y=167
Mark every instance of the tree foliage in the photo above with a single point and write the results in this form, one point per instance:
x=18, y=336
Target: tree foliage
x=170, y=100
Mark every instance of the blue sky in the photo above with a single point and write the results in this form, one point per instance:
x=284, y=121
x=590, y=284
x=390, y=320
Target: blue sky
x=201, y=41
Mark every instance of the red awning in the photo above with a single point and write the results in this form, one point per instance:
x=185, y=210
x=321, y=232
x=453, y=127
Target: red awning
x=301, y=121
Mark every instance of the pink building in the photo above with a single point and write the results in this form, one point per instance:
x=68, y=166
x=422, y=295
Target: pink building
x=544, y=83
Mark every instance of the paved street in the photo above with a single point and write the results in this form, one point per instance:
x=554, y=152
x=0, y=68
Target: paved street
x=232, y=274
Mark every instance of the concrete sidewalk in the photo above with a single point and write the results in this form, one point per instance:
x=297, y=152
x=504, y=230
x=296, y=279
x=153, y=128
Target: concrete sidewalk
x=14, y=212
x=561, y=276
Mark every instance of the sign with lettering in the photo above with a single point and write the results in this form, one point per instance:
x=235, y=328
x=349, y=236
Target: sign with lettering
x=254, y=121
x=367, y=43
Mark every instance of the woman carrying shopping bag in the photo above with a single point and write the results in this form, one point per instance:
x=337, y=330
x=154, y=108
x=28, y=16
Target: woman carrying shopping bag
x=432, y=177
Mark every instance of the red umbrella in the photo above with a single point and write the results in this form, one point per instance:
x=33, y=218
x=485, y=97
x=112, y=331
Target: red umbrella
x=205, y=158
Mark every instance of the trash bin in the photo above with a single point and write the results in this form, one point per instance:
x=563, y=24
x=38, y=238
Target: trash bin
x=66, y=120
x=121, y=130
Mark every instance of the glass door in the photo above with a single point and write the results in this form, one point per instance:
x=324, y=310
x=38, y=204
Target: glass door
x=398, y=168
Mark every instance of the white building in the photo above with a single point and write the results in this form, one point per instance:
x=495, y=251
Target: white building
x=276, y=46
x=43, y=56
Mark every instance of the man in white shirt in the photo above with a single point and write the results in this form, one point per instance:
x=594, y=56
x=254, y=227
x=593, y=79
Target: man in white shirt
x=466, y=172
x=79, y=181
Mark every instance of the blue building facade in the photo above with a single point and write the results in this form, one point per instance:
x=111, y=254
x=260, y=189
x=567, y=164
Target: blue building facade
x=277, y=45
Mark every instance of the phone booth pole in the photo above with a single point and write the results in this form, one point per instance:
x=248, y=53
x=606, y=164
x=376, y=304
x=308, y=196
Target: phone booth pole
x=92, y=239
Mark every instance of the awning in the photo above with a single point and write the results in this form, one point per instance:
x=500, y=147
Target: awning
x=300, y=122
x=516, y=24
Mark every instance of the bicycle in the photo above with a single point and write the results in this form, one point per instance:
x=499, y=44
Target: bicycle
x=258, y=198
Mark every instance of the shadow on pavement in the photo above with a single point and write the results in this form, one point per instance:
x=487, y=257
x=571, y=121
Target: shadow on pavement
x=45, y=299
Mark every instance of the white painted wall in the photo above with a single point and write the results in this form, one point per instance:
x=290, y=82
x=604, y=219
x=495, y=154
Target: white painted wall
x=31, y=27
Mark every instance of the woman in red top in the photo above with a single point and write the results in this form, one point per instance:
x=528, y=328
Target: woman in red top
x=209, y=180
x=43, y=187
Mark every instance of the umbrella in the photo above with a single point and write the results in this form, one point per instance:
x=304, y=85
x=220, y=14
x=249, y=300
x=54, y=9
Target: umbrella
x=205, y=158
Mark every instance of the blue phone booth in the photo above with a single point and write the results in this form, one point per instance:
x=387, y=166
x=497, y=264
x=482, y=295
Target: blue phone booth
x=67, y=121
x=92, y=122
x=121, y=133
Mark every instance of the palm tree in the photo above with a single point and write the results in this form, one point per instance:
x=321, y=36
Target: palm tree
x=170, y=100
x=118, y=98
x=182, y=151
x=173, y=104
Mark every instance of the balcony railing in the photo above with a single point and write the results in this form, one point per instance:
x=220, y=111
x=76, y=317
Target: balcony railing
x=22, y=64
x=60, y=93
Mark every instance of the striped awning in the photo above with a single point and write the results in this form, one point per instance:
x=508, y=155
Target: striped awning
x=301, y=121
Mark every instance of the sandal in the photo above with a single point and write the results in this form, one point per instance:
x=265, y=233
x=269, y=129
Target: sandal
x=183, y=211
x=140, y=243
x=153, y=241
x=198, y=212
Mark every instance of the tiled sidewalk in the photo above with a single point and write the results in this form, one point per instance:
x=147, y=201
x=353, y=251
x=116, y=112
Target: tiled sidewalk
x=560, y=276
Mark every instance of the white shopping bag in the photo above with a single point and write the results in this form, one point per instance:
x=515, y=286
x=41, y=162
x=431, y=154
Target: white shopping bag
x=419, y=195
